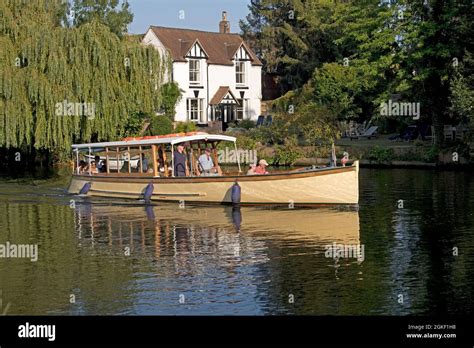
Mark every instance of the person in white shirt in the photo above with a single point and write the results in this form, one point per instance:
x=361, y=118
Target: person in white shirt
x=206, y=163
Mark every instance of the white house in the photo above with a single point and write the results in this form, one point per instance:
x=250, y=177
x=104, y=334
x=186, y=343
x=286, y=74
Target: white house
x=218, y=73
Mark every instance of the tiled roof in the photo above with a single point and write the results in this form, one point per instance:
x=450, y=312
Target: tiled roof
x=219, y=47
x=220, y=94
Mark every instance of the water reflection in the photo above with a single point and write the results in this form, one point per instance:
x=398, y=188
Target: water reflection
x=119, y=257
x=221, y=232
x=225, y=259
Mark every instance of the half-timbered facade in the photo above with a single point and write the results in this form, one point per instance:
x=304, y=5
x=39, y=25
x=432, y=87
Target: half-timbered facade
x=219, y=75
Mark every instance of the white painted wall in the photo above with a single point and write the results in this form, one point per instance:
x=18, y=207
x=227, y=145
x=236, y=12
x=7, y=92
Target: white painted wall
x=219, y=75
x=151, y=39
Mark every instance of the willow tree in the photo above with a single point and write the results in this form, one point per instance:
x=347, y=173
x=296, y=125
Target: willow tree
x=44, y=64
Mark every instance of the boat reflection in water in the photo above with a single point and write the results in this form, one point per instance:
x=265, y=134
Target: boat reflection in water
x=217, y=229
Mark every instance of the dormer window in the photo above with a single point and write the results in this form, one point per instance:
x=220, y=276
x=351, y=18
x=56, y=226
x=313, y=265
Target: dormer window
x=194, y=71
x=240, y=72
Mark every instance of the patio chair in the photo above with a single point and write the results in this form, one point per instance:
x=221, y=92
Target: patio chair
x=448, y=132
x=371, y=132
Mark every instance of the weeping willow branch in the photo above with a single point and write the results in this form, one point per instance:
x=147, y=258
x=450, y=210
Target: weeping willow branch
x=43, y=63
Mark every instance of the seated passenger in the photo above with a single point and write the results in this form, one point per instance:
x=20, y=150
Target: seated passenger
x=93, y=167
x=206, y=163
x=83, y=168
x=98, y=165
x=262, y=167
x=103, y=168
x=144, y=164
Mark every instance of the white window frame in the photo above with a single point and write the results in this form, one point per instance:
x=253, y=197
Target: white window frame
x=243, y=109
x=243, y=73
x=197, y=110
x=196, y=71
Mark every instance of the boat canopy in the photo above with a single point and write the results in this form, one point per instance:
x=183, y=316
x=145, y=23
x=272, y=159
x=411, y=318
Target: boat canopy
x=159, y=139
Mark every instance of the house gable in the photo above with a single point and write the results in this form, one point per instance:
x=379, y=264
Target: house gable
x=196, y=51
x=242, y=54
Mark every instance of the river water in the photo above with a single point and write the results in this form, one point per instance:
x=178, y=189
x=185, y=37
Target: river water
x=409, y=249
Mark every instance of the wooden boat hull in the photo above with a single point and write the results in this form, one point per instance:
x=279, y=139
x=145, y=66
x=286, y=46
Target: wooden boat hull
x=338, y=185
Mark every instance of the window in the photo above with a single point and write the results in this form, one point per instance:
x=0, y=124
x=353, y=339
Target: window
x=194, y=71
x=241, y=109
x=240, y=72
x=195, y=110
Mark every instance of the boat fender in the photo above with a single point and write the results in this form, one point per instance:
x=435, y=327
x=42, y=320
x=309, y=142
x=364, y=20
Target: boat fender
x=236, y=193
x=149, y=212
x=148, y=192
x=85, y=189
x=237, y=217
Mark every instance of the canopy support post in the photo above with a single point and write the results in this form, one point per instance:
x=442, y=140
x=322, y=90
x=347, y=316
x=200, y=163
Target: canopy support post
x=165, y=163
x=90, y=169
x=155, y=166
x=118, y=162
x=107, y=166
x=77, y=162
x=238, y=156
x=172, y=159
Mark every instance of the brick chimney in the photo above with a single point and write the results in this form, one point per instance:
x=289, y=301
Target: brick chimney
x=224, y=25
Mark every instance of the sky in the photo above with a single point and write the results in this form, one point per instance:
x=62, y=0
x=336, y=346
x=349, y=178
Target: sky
x=189, y=14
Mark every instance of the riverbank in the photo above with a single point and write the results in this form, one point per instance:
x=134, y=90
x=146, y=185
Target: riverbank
x=365, y=163
x=378, y=152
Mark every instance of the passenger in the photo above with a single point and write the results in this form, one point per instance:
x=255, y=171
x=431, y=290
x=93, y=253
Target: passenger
x=206, y=163
x=144, y=164
x=93, y=167
x=103, y=168
x=161, y=162
x=82, y=167
x=98, y=164
x=262, y=167
x=180, y=162
x=251, y=170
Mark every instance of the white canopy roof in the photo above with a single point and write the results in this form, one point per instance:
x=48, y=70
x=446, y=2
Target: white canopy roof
x=166, y=140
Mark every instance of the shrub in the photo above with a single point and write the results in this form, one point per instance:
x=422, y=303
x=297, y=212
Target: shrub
x=381, y=154
x=171, y=96
x=160, y=125
x=134, y=124
x=432, y=155
x=287, y=154
x=276, y=133
x=184, y=127
x=244, y=142
x=247, y=124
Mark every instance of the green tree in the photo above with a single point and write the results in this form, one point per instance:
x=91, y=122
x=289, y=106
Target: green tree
x=44, y=64
x=291, y=37
x=435, y=33
x=462, y=89
x=113, y=13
